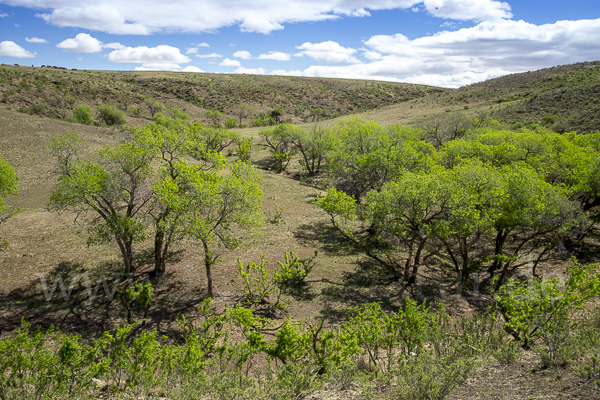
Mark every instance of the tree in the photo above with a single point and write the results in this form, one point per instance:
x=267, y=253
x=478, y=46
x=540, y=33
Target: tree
x=277, y=113
x=279, y=141
x=111, y=115
x=243, y=111
x=217, y=208
x=313, y=145
x=115, y=190
x=214, y=115
x=154, y=106
x=8, y=186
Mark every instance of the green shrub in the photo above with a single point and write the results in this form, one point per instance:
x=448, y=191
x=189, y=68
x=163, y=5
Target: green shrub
x=230, y=123
x=244, y=149
x=135, y=112
x=83, y=114
x=111, y=115
x=544, y=309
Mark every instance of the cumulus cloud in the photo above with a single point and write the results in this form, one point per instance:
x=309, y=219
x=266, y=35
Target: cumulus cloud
x=191, y=68
x=2, y=15
x=211, y=55
x=161, y=57
x=264, y=16
x=229, y=63
x=115, y=46
x=203, y=44
x=250, y=71
x=82, y=43
x=35, y=40
x=469, y=55
x=11, y=49
x=191, y=50
x=243, y=54
x=275, y=55
x=329, y=51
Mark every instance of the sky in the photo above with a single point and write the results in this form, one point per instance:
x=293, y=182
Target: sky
x=449, y=43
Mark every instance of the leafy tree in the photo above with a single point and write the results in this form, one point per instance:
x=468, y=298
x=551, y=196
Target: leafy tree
x=215, y=207
x=83, y=114
x=365, y=155
x=175, y=113
x=154, y=106
x=214, y=115
x=8, y=186
x=243, y=111
x=115, y=190
x=280, y=142
x=111, y=115
x=313, y=145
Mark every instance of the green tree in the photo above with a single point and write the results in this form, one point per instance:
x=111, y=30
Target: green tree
x=217, y=208
x=214, y=115
x=154, y=106
x=313, y=145
x=280, y=142
x=114, y=190
x=8, y=186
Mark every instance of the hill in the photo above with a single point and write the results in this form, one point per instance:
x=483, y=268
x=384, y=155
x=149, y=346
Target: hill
x=54, y=93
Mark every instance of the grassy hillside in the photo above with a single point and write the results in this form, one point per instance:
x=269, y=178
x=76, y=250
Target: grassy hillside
x=54, y=93
x=563, y=98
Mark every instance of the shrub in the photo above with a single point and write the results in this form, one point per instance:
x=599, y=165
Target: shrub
x=83, y=114
x=230, y=123
x=111, y=115
x=244, y=149
x=135, y=112
x=544, y=309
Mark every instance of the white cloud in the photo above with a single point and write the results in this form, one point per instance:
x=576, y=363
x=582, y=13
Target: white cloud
x=469, y=55
x=243, y=54
x=263, y=16
x=229, y=63
x=11, y=49
x=329, y=51
x=35, y=40
x=479, y=10
x=2, y=15
x=191, y=50
x=151, y=57
x=191, y=68
x=250, y=71
x=275, y=55
x=82, y=43
x=115, y=46
x=203, y=44
x=211, y=55
x=158, y=66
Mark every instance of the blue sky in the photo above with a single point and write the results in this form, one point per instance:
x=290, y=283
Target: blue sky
x=436, y=42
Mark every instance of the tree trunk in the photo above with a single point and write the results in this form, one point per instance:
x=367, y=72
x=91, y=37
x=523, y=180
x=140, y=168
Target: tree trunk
x=208, y=264
x=160, y=254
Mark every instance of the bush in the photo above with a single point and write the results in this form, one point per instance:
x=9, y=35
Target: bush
x=244, y=149
x=543, y=309
x=111, y=115
x=230, y=123
x=135, y=112
x=83, y=114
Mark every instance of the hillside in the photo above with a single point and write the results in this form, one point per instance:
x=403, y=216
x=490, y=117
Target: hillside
x=563, y=98
x=54, y=93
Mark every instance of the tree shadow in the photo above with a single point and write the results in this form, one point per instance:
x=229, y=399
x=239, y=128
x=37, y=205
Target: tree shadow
x=83, y=301
x=322, y=234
